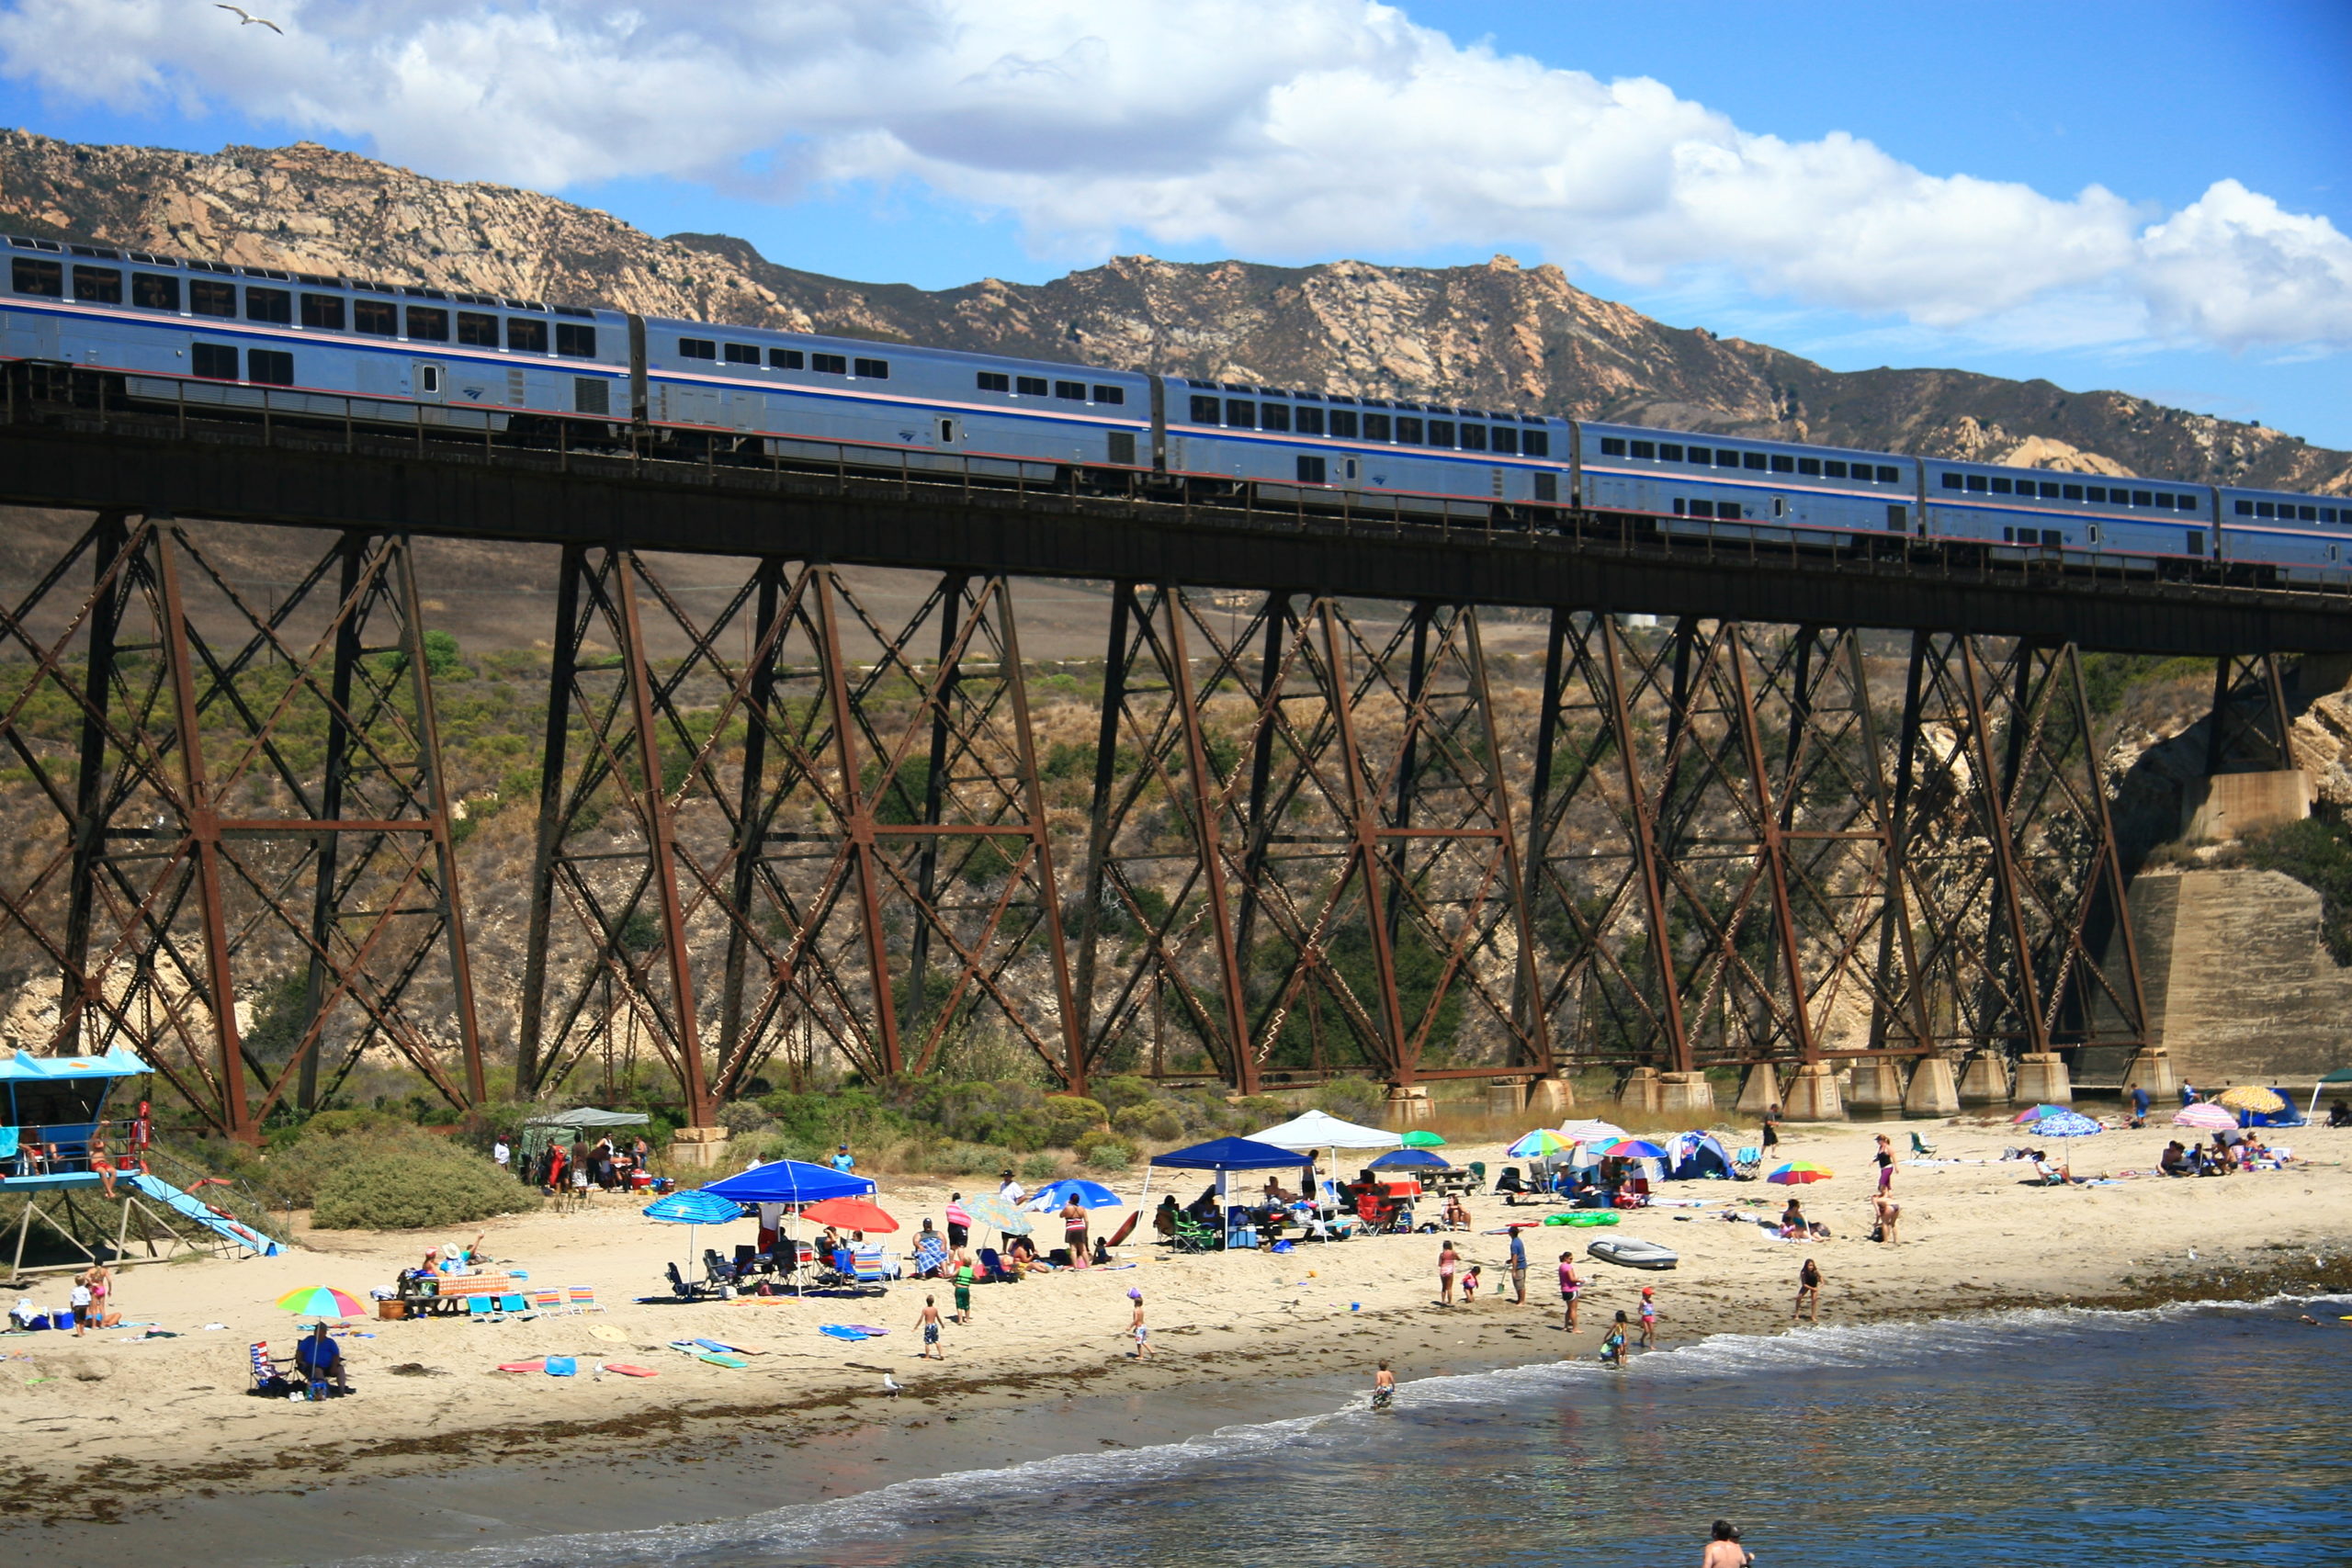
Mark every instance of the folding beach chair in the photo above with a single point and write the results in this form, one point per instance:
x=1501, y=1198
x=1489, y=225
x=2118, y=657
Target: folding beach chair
x=480, y=1307
x=582, y=1298
x=1921, y=1147
x=1747, y=1162
x=268, y=1377
x=548, y=1302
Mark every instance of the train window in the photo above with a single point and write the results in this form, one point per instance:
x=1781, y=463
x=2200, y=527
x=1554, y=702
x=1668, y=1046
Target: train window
x=829, y=363
x=205, y=298
x=269, y=367
x=269, y=305
x=2142, y=497
x=2049, y=490
x=1273, y=416
x=2163, y=498
x=740, y=353
x=1505, y=438
x=1547, y=486
x=426, y=323
x=323, y=310
x=2092, y=529
x=1645, y=448
x=526, y=336
x=1888, y=475
x=1809, y=466
x=1110, y=394
x=483, y=333
x=1611, y=447
x=871, y=370
x=2071, y=492
x=688, y=348
x=1830, y=469
x=1375, y=427
x=590, y=394
x=1441, y=433
x=2265, y=509
x=1535, y=443
x=213, y=361
x=1311, y=470
x=153, y=292
x=1344, y=422
x=1668, y=452
x=2244, y=509
x=1702, y=509
x=947, y=430
x=2001, y=485
x=1474, y=438
x=1680, y=506
x=576, y=342
x=986, y=380
x=98, y=284
x=1976, y=482
x=1950, y=482
x=1309, y=397
x=2307, y=514
x=1236, y=386
x=1702, y=456
x=1779, y=507
x=1340, y=397
x=1308, y=421
x=1240, y=413
x=2328, y=515
x=1783, y=464
x=428, y=379
x=1204, y=410
x=1409, y=431
x=1030, y=386
x=1073, y=391
x=1755, y=460
x=2097, y=493
x=1376, y=403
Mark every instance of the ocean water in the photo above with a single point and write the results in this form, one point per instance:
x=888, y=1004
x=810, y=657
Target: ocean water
x=2184, y=1435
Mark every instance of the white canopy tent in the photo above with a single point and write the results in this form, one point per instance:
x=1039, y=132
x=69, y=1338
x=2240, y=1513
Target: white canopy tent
x=1321, y=1129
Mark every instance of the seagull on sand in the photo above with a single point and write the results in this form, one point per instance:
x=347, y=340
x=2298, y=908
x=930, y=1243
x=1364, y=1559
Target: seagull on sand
x=891, y=1386
x=248, y=19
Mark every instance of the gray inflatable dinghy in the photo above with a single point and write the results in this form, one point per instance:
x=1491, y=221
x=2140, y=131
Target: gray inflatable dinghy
x=1633, y=1252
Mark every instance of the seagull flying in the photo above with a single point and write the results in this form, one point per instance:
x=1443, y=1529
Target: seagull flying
x=248, y=19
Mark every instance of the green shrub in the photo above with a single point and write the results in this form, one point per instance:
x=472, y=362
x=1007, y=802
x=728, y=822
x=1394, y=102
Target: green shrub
x=742, y=1116
x=1105, y=1151
x=1069, y=1117
x=412, y=1189
x=1159, y=1122
x=970, y=1159
x=1039, y=1168
x=1353, y=1100
x=1122, y=1091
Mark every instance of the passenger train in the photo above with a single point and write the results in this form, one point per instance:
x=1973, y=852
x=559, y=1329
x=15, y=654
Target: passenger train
x=165, y=330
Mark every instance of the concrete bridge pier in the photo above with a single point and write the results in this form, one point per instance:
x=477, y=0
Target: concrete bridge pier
x=1687, y=1096
x=1985, y=1080
x=1813, y=1094
x=2042, y=1079
x=1760, y=1092
x=1932, y=1090
x=1643, y=1092
x=2152, y=1069
x=1549, y=1101
x=1877, y=1085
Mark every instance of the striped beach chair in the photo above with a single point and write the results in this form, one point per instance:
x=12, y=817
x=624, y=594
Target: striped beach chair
x=582, y=1299
x=550, y=1302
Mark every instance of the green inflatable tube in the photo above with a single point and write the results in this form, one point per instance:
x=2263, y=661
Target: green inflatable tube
x=1593, y=1217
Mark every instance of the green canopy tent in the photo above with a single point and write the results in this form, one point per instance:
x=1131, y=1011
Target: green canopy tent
x=566, y=1126
x=2339, y=1079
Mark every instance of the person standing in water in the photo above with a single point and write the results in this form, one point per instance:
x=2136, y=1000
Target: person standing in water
x=1383, y=1387
x=1724, y=1549
x=1808, y=1291
x=1570, y=1287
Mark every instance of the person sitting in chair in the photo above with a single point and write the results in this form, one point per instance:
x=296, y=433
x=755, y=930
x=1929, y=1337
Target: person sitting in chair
x=2339, y=1114
x=1457, y=1218
x=320, y=1359
x=1163, y=1219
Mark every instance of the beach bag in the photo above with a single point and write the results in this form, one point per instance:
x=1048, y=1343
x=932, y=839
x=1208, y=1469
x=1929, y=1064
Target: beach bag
x=563, y=1367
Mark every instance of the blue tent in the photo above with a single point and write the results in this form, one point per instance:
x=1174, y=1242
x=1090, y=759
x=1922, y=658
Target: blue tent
x=789, y=1181
x=1417, y=1158
x=2289, y=1117
x=1231, y=1154
x=1699, y=1154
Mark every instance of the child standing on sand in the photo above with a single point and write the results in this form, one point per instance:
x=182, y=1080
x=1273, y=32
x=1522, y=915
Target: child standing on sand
x=960, y=1270
x=1135, y=1327
x=1448, y=1263
x=1649, y=1317
x=928, y=1321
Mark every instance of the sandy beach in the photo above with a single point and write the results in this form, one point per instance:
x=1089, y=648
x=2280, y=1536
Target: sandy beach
x=129, y=1445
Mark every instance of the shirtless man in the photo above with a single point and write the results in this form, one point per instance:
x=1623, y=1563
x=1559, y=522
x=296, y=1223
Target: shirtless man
x=1724, y=1549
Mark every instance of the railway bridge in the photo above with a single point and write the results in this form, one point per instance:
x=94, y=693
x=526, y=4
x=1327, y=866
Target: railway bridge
x=1748, y=807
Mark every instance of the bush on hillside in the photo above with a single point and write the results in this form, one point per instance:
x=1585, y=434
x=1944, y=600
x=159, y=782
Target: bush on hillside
x=432, y=1185
x=1105, y=1151
x=1069, y=1117
x=1157, y=1122
x=1353, y=1100
x=1123, y=1089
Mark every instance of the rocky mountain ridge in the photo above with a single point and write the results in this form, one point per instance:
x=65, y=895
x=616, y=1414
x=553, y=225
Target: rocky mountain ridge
x=1499, y=335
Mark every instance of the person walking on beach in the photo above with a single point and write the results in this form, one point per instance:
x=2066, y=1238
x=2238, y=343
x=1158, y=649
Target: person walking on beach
x=1135, y=1327
x=1518, y=1267
x=959, y=1220
x=928, y=1321
x=1570, y=1286
x=2139, y=1105
x=1771, y=1129
x=1074, y=1230
x=1448, y=1263
x=960, y=1269
x=1884, y=1158
x=1649, y=1317
x=1383, y=1387
x=1724, y=1549
x=1808, y=1291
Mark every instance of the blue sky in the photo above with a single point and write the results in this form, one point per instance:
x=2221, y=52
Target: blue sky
x=2152, y=197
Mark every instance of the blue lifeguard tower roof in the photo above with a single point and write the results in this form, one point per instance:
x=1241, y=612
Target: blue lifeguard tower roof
x=54, y=1107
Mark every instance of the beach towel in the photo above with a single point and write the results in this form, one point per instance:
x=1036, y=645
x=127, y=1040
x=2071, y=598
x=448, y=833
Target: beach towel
x=843, y=1331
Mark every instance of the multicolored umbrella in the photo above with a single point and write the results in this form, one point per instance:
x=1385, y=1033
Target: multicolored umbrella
x=994, y=1214
x=1423, y=1138
x=1629, y=1148
x=1800, y=1173
x=321, y=1301
x=1592, y=1132
x=851, y=1214
x=1050, y=1198
x=2204, y=1117
x=2064, y=1125
x=1542, y=1144
x=2253, y=1097
x=2035, y=1113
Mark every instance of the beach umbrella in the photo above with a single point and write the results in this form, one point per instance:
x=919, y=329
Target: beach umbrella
x=1049, y=1198
x=849, y=1214
x=2205, y=1117
x=1542, y=1144
x=1629, y=1148
x=321, y=1301
x=1592, y=1132
x=1410, y=1160
x=2035, y=1113
x=691, y=1208
x=2063, y=1124
x=2252, y=1096
x=1800, y=1173
x=1423, y=1138
x=994, y=1212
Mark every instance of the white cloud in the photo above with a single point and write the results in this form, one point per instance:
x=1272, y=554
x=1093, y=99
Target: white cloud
x=1279, y=129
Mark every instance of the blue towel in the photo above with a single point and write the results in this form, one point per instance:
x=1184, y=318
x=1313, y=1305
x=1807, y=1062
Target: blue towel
x=8, y=1143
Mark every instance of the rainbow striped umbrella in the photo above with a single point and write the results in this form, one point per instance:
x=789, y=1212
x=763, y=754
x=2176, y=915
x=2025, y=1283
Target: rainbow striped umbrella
x=1800, y=1173
x=321, y=1301
x=1629, y=1148
x=2035, y=1113
x=1542, y=1144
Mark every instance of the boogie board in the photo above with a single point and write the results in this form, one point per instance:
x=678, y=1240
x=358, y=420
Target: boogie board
x=538, y=1366
x=1127, y=1228
x=1633, y=1252
x=627, y=1370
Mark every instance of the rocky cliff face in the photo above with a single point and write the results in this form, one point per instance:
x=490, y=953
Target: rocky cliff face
x=1495, y=335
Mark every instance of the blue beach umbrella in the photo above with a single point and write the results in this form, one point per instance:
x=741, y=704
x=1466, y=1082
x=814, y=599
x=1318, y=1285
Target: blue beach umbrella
x=691, y=1208
x=1419, y=1159
x=2063, y=1124
x=1089, y=1195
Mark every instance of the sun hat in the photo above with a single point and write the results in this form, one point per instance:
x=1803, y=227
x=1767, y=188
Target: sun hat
x=1134, y=1294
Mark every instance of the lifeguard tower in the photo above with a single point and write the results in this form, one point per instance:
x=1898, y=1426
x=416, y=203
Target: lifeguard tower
x=85, y=1173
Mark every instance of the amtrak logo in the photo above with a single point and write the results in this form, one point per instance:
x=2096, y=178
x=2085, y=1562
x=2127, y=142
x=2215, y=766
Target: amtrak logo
x=474, y=392
x=908, y=437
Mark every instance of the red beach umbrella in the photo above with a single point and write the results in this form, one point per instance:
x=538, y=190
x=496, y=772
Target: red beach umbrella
x=851, y=1214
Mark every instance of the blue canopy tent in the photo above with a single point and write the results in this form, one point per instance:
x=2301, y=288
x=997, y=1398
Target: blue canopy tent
x=1696, y=1155
x=789, y=1181
x=1225, y=1156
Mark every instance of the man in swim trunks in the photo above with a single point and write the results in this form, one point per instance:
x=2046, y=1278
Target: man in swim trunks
x=1724, y=1549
